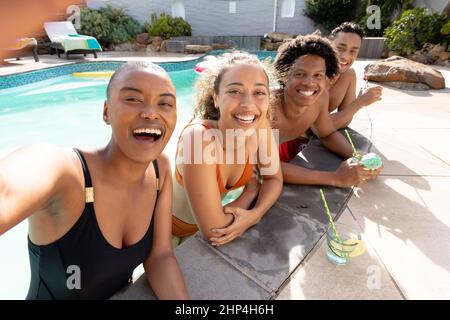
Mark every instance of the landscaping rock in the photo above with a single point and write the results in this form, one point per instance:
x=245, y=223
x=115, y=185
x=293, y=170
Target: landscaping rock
x=270, y=46
x=142, y=38
x=399, y=69
x=220, y=46
x=140, y=47
x=429, y=53
x=279, y=36
x=444, y=55
x=156, y=42
x=193, y=48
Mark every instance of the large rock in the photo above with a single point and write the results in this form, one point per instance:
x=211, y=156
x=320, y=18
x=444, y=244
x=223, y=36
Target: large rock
x=279, y=36
x=156, y=42
x=399, y=69
x=220, y=46
x=142, y=38
x=194, y=48
x=444, y=55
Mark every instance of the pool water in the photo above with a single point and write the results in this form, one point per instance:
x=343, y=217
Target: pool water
x=64, y=111
x=67, y=111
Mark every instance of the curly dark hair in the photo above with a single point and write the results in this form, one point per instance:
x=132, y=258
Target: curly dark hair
x=348, y=27
x=290, y=51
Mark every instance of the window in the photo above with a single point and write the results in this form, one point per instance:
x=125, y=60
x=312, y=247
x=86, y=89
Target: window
x=232, y=7
x=288, y=9
x=178, y=9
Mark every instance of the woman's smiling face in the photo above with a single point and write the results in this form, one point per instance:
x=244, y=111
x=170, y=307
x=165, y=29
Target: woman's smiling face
x=141, y=110
x=242, y=97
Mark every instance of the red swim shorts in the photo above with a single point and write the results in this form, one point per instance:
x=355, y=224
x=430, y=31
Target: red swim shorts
x=289, y=149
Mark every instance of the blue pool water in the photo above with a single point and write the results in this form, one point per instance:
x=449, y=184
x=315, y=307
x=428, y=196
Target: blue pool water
x=65, y=111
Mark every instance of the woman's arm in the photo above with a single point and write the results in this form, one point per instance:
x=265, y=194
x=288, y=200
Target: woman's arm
x=200, y=183
x=30, y=177
x=269, y=165
x=161, y=267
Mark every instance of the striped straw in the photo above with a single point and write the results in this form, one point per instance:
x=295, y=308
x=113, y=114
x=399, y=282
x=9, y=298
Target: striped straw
x=329, y=216
x=355, y=153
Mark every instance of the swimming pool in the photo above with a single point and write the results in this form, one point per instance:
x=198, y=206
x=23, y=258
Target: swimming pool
x=66, y=111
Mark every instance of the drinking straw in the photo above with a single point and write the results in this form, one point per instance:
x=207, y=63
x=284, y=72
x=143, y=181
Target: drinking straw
x=367, y=81
x=329, y=216
x=355, y=153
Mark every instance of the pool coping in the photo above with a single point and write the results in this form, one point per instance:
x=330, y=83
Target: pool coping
x=31, y=76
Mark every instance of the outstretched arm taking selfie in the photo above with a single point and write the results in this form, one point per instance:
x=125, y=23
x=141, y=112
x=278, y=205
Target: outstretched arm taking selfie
x=31, y=178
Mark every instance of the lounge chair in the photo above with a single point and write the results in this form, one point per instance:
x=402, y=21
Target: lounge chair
x=22, y=47
x=64, y=38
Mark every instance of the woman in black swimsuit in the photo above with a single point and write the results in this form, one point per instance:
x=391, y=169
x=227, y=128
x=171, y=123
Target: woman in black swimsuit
x=96, y=215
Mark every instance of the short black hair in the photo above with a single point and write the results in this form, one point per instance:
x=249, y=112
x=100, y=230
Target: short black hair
x=132, y=65
x=348, y=27
x=290, y=51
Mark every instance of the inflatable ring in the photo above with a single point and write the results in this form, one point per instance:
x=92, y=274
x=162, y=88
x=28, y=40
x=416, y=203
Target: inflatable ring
x=208, y=62
x=91, y=74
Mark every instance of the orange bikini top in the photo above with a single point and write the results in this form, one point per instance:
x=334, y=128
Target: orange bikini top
x=245, y=177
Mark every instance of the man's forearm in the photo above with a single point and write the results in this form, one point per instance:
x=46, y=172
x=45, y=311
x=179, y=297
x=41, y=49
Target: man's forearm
x=299, y=175
x=336, y=143
x=344, y=115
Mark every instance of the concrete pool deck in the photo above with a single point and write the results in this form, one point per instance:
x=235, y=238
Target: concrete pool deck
x=403, y=216
x=12, y=66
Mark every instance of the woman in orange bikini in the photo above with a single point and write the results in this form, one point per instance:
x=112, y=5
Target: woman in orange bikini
x=229, y=139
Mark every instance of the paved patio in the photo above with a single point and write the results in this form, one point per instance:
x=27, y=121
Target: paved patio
x=404, y=216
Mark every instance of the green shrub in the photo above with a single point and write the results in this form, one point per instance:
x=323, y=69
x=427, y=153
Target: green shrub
x=445, y=31
x=415, y=28
x=109, y=25
x=166, y=26
x=330, y=13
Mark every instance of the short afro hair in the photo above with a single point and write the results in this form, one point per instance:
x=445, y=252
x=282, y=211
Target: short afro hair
x=133, y=65
x=348, y=27
x=290, y=51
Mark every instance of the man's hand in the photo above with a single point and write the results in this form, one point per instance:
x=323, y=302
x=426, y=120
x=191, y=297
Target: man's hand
x=368, y=95
x=350, y=174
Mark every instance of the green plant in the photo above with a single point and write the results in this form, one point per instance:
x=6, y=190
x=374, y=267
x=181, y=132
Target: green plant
x=389, y=11
x=166, y=26
x=109, y=25
x=414, y=28
x=330, y=13
x=445, y=31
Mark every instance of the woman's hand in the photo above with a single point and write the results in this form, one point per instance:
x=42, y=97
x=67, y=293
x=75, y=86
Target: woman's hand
x=243, y=219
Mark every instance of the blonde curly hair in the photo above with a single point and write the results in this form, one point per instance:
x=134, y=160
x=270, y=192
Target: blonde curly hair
x=209, y=81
